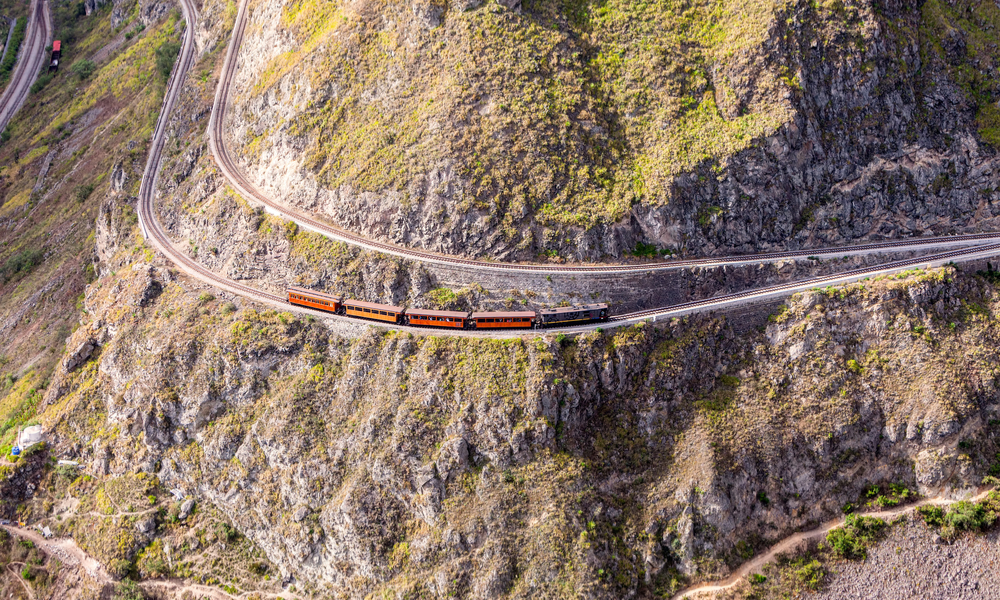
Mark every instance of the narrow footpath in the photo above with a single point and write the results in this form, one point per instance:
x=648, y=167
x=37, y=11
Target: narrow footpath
x=792, y=541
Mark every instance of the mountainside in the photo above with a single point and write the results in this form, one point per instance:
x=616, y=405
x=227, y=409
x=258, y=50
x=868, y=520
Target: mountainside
x=213, y=446
x=581, y=130
x=610, y=465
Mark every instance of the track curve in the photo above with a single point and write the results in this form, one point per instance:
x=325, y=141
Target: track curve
x=155, y=234
x=242, y=184
x=30, y=60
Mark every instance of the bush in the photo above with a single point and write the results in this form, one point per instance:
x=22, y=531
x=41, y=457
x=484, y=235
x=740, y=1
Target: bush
x=126, y=589
x=969, y=516
x=83, y=68
x=22, y=262
x=932, y=515
x=42, y=81
x=82, y=192
x=811, y=575
x=166, y=55
x=851, y=540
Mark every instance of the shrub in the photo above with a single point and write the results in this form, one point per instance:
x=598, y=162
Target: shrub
x=932, y=515
x=166, y=55
x=126, y=589
x=82, y=192
x=885, y=501
x=42, y=81
x=969, y=516
x=756, y=579
x=763, y=499
x=851, y=540
x=83, y=68
x=811, y=575
x=21, y=263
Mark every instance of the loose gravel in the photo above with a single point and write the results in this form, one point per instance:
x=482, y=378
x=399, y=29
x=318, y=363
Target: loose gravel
x=912, y=562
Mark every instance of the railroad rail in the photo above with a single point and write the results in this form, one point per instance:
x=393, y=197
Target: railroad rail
x=241, y=183
x=154, y=232
x=31, y=58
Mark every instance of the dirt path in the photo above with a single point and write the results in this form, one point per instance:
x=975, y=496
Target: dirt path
x=66, y=550
x=13, y=571
x=790, y=542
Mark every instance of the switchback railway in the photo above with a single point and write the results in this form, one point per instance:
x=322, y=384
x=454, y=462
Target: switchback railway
x=240, y=182
x=154, y=232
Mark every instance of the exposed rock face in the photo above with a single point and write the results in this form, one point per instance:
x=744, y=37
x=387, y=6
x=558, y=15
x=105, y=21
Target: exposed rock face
x=881, y=140
x=80, y=355
x=392, y=462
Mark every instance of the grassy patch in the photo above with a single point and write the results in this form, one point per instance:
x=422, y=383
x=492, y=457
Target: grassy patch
x=573, y=110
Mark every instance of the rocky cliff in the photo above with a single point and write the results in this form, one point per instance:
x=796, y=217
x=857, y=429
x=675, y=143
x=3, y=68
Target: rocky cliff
x=582, y=130
x=611, y=465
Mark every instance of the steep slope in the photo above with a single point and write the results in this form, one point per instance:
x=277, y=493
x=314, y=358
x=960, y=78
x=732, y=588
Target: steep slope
x=582, y=130
x=609, y=466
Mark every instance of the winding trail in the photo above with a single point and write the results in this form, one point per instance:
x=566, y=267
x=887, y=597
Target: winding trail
x=67, y=551
x=790, y=542
x=30, y=60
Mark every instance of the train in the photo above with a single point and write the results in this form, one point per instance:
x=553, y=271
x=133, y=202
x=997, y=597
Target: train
x=448, y=319
x=56, y=55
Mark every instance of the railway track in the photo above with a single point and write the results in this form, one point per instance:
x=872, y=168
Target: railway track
x=31, y=58
x=154, y=232
x=250, y=191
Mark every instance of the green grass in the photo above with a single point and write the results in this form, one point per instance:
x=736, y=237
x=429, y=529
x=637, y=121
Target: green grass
x=572, y=110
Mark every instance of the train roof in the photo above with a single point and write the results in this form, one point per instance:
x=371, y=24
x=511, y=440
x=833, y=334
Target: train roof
x=373, y=305
x=521, y=314
x=56, y=45
x=568, y=309
x=308, y=292
x=437, y=313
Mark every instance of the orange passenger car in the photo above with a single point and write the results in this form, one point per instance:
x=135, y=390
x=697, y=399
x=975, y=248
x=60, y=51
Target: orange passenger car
x=437, y=318
x=371, y=310
x=311, y=299
x=503, y=320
